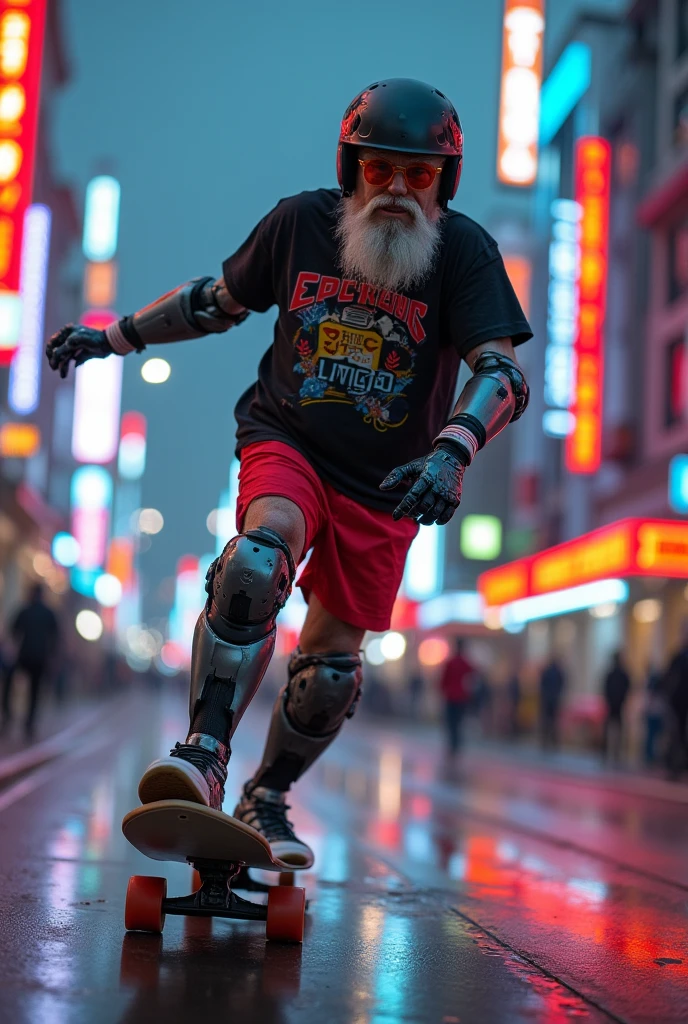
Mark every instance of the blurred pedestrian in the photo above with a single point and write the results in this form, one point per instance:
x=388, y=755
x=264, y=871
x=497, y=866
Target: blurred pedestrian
x=35, y=631
x=552, y=684
x=617, y=685
x=455, y=686
x=513, y=705
x=415, y=693
x=675, y=688
x=655, y=716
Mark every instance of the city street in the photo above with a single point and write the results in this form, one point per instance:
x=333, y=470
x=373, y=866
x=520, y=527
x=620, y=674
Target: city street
x=488, y=893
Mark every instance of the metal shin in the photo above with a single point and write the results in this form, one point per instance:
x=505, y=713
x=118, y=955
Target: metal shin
x=224, y=679
x=235, y=634
x=323, y=690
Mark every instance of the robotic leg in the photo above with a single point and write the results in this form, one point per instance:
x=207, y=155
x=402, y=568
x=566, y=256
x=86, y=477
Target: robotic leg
x=233, y=643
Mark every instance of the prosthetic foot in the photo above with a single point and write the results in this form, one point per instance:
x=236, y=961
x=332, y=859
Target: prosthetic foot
x=233, y=643
x=266, y=811
x=322, y=691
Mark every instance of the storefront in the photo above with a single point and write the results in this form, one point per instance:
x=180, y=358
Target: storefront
x=622, y=586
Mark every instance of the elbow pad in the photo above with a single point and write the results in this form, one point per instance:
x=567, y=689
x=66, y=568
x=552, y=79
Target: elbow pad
x=190, y=311
x=495, y=395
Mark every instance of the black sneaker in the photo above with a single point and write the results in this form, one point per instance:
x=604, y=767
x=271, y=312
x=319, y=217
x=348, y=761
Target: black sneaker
x=188, y=773
x=266, y=811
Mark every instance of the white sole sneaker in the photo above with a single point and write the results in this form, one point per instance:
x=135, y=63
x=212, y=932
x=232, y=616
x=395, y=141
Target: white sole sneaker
x=172, y=778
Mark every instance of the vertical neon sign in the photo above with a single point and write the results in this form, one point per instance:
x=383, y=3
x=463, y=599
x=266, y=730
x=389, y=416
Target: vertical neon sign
x=22, y=26
x=592, y=170
x=519, y=104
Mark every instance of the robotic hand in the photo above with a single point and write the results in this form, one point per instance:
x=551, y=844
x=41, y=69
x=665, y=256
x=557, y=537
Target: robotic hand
x=75, y=344
x=436, y=483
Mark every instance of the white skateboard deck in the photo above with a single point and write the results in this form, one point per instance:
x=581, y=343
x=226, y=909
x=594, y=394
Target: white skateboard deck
x=185, y=831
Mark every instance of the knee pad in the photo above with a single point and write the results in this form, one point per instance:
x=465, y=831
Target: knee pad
x=248, y=585
x=322, y=691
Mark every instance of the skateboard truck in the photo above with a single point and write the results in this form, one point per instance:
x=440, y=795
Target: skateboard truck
x=147, y=902
x=215, y=897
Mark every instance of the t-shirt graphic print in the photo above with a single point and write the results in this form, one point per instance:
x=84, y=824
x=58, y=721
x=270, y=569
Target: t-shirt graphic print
x=356, y=345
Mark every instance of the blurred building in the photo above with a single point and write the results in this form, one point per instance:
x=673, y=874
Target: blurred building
x=625, y=81
x=34, y=489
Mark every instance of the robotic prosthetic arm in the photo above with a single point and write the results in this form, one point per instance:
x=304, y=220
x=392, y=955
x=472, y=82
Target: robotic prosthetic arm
x=203, y=306
x=495, y=395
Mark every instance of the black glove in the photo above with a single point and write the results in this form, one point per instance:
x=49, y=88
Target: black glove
x=437, y=480
x=76, y=344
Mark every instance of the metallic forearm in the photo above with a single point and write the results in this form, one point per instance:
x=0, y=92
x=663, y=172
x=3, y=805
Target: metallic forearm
x=202, y=306
x=495, y=395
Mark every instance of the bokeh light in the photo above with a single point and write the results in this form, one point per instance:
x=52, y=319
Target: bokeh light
x=108, y=590
x=156, y=371
x=89, y=625
x=393, y=646
x=66, y=549
x=150, y=520
x=648, y=610
x=433, y=651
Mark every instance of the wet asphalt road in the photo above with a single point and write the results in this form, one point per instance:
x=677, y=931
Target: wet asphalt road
x=493, y=894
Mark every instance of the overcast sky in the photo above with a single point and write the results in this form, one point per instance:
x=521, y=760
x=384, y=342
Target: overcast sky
x=208, y=116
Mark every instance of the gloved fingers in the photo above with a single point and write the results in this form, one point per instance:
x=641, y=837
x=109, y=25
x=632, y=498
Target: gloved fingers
x=56, y=344
x=425, y=507
x=433, y=514
x=407, y=505
x=443, y=519
x=408, y=473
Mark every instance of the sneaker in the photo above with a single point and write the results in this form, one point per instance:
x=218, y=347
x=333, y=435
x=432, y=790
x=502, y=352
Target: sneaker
x=266, y=811
x=188, y=773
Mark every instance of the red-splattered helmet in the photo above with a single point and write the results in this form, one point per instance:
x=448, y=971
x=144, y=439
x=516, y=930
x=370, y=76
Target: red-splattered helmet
x=405, y=115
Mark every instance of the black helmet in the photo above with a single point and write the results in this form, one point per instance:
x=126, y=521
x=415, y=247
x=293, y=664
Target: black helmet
x=407, y=116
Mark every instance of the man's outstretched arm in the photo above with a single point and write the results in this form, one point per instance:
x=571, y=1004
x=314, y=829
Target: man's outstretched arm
x=495, y=395
x=202, y=306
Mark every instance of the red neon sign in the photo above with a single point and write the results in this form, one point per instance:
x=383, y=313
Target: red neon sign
x=629, y=547
x=593, y=165
x=22, y=26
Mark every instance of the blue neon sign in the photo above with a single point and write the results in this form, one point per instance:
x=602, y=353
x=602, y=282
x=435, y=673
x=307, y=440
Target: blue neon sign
x=566, y=84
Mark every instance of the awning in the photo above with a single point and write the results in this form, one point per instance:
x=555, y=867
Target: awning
x=629, y=547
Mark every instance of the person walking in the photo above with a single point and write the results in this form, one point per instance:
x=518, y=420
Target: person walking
x=675, y=687
x=655, y=716
x=455, y=686
x=35, y=630
x=552, y=684
x=617, y=685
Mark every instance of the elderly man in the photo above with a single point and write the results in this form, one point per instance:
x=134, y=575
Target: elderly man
x=347, y=440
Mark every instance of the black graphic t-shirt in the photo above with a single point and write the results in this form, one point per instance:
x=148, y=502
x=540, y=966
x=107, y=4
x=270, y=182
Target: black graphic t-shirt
x=360, y=379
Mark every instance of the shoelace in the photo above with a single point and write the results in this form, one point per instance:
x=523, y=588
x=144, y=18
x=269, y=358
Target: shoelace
x=201, y=759
x=272, y=818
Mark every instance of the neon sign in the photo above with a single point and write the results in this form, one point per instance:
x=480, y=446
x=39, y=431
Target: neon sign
x=593, y=166
x=562, y=316
x=25, y=372
x=22, y=25
x=629, y=547
x=519, y=106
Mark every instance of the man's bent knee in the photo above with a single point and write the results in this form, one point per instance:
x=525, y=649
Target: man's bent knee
x=281, y=515
x=248, y=585
x=322, y=691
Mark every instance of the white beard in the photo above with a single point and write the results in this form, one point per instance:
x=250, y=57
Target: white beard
x=387, y=253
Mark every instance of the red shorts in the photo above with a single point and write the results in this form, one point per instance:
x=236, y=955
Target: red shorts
x=358, y=556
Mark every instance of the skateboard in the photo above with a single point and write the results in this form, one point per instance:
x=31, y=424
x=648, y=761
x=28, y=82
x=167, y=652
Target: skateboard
x=221, y=849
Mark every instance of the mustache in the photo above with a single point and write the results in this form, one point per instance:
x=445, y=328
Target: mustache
x=393, y=203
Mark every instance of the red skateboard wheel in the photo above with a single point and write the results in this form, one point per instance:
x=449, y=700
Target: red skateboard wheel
x=286, y=914
x=143, y=907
